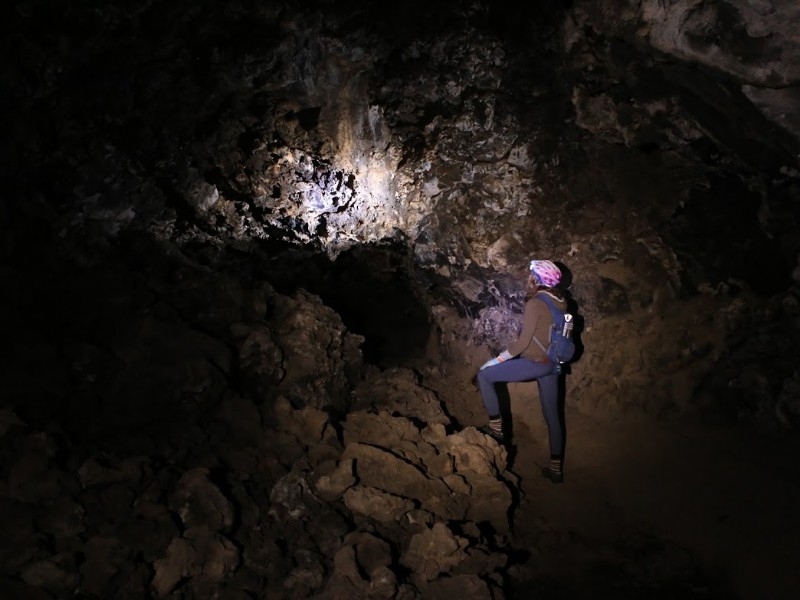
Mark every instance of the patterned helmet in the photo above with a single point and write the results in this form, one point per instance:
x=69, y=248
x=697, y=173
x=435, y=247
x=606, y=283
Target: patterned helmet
x=545, y=272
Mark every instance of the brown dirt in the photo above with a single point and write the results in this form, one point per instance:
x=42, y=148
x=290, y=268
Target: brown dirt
x=658, y=510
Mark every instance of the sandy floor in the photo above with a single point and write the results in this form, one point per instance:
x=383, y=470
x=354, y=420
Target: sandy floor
x=659, y=510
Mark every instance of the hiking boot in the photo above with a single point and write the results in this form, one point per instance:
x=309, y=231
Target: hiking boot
x=497, y=436
x=554, y=476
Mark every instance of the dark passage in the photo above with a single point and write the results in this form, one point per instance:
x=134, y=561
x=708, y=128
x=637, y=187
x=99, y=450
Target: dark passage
x=373, y=290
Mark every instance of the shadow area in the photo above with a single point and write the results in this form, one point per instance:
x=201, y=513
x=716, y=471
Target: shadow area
x=371, y=287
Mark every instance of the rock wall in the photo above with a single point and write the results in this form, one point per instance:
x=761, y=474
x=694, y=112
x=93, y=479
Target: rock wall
x=246, y=451
x=642, y=145
x=254, y=254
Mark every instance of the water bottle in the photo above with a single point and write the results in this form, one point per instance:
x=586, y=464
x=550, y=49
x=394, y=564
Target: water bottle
x=567, y=331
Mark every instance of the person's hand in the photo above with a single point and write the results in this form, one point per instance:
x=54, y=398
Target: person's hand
x=490, y=363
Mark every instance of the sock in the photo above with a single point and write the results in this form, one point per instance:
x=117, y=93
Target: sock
x=496, y=423
x=556, y=463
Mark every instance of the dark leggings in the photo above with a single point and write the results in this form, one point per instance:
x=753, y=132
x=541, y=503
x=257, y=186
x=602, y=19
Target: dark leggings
x=524, y=369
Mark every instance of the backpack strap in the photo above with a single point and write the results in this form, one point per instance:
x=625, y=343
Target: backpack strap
x=552, y=308
x=538, y=343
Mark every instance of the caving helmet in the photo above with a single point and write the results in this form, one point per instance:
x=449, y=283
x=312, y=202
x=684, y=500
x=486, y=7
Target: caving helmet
x=545, y=272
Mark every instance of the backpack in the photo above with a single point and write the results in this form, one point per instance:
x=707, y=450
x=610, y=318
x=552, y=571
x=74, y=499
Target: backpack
x=560, y=347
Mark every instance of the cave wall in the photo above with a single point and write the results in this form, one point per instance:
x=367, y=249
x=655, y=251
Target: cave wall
x=645, y=146
x=253, y=254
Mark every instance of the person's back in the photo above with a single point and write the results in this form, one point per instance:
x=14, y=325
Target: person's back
x=526, y=359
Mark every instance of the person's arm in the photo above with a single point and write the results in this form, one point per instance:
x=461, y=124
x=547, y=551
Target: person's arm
x=504, y=355
x=529, y=320
x=524, y=340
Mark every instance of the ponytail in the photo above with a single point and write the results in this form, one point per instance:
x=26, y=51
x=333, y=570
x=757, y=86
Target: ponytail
x=535, y=288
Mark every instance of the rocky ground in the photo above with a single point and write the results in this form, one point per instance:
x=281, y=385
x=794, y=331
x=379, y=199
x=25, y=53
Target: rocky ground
x=661, y=510
x=253, y=453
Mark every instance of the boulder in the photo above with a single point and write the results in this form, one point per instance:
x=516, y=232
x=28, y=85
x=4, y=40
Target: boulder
x=201, y=554
x=433, y=552
x=199, y=502
x=384, y=470
x=460, y=586
x=375, y=504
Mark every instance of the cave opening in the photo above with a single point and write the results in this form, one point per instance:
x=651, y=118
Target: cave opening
x=374, y=290
x=718, y=232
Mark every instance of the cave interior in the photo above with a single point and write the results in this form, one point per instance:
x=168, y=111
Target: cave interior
x=254, y=253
